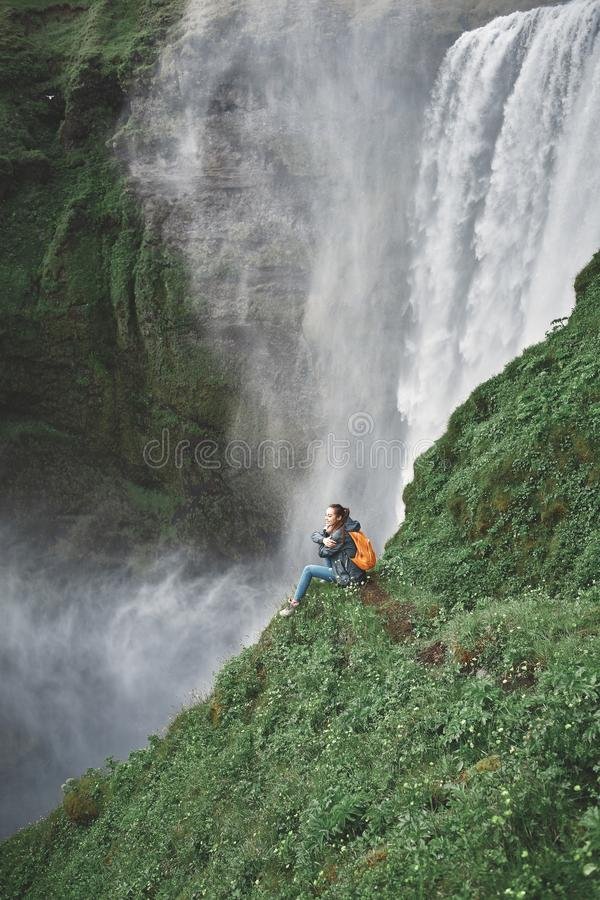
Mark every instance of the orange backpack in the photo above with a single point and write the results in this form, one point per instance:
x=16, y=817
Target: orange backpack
x=365, y=557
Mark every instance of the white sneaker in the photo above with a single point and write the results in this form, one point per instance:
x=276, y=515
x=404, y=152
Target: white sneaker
x=289, y=609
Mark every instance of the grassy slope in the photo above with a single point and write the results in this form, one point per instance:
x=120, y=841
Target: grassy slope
x=436, y=736
x=510, y=495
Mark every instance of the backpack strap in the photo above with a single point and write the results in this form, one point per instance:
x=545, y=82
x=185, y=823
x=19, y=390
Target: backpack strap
x=344, y=532
x=344, y=536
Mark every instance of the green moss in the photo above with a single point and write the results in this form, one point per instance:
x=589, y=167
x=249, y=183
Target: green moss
x=153, y=502
x=13, y=429
x=100, y=339
x=84, y=800
x=588, y=276
x=508, y=496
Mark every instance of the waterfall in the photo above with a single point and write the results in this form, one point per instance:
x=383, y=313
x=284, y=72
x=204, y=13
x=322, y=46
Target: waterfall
x=504, y=213
x=276, y=150
x=273, y=150
x=357, y=265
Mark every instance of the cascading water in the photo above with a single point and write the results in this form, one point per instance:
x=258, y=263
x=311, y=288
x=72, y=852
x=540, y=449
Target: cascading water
x=281, y=143
x=505, y=206
x=273, y=148
x=277, y=149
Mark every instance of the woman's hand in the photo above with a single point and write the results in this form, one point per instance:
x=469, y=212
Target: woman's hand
x=329, y=543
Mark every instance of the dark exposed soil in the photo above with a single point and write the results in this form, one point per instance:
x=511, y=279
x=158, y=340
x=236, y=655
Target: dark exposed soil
x=434, y=655
x=396, y=616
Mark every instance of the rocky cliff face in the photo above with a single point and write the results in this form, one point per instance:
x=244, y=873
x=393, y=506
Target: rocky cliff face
x=107, y=342
x=100, y=354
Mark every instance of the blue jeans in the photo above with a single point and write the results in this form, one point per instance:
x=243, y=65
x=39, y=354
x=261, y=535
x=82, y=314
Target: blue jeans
x=325, y=573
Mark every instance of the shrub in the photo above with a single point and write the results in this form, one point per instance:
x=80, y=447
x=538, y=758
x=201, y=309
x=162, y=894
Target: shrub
x=82, y=802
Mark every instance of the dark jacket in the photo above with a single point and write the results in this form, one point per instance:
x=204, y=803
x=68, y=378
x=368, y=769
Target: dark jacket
x=341, y=556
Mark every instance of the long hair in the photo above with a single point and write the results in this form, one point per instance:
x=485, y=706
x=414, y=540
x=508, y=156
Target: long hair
x=342, y=512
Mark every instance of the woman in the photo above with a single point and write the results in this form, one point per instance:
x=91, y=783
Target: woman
x=338, y=548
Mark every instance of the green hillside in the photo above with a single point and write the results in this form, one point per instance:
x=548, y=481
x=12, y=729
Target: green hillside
x=510, y=495
x=434, y=734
